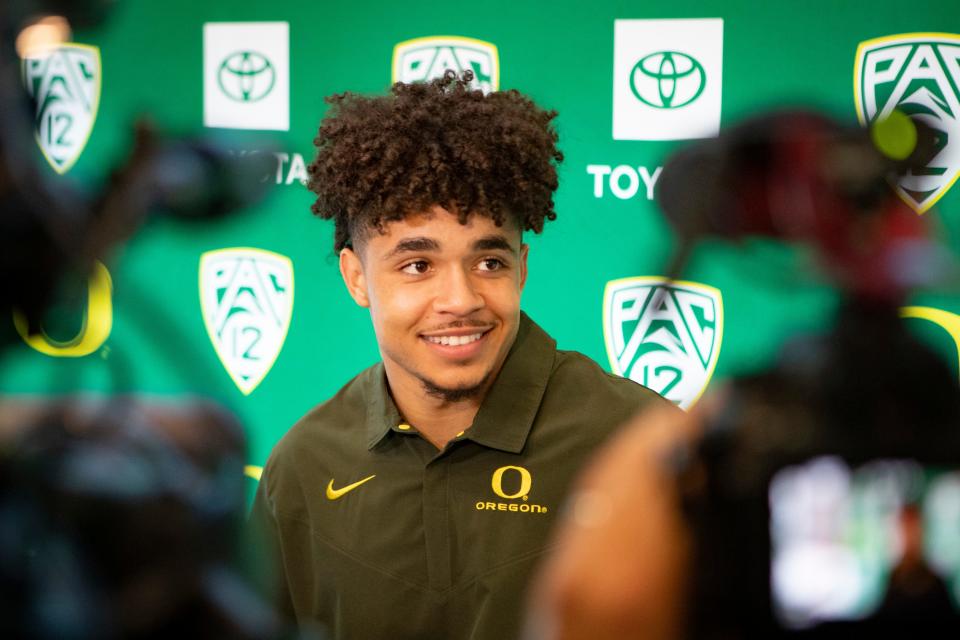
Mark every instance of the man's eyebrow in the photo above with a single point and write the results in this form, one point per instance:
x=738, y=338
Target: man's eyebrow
x=493, y=243
x=412, y=245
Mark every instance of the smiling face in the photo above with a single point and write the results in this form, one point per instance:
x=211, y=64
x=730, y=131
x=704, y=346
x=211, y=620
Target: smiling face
x=444, y=298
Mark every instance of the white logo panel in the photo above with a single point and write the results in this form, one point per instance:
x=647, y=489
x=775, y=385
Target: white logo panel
x=246, y=297
x=665, y=335
x=667, y=78
x=246, y=75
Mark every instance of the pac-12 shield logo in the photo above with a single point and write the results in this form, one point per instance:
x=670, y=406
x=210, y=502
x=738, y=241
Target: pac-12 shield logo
x=64, y=82
x=919, y=74
x=246, y=296
x=424, y=59
x=663, y=334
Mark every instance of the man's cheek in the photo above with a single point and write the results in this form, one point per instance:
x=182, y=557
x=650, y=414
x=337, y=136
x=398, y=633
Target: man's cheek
x=412, y=299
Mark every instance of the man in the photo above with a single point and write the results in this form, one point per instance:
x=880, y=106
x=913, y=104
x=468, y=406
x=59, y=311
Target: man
x=417, y=501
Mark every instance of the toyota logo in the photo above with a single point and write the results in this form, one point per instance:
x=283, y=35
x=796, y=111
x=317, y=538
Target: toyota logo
x=246, y=76
x=667, y=80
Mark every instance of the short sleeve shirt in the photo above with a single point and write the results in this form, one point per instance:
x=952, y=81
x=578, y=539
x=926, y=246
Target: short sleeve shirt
x=381, y=535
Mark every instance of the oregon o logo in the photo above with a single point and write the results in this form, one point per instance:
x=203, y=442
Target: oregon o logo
x=667, y=80
x=525, y=482
x=246, y=76
x=97, y=321
x=949, y=322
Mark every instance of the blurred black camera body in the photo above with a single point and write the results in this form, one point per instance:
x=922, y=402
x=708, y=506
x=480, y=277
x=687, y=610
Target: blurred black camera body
x=824, y=498
x=120, y=518
x=798, y=494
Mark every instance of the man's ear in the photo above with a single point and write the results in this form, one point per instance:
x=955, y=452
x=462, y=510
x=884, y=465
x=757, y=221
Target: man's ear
x=352, y=271
x=524, y=250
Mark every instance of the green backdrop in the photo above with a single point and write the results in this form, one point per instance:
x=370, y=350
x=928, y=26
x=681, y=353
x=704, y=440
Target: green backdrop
x=562, y=54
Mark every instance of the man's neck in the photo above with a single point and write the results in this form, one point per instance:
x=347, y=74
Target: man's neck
x=434, y=418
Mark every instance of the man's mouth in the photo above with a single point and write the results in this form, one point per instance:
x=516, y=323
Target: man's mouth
x=459, y=338
x=454, y=341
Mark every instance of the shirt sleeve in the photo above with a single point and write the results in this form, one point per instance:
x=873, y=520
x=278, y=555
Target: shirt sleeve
x=265, y=546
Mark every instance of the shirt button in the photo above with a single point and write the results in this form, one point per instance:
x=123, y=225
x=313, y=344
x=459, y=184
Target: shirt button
x=403, y=426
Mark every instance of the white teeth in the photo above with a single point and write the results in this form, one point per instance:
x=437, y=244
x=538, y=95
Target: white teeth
x=454, y=341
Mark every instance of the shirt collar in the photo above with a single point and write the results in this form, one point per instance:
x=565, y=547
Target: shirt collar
x=382, y=414
x=506, y=415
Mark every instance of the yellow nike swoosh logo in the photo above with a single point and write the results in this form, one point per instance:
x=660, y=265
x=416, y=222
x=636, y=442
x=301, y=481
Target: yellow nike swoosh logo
x=333, y=494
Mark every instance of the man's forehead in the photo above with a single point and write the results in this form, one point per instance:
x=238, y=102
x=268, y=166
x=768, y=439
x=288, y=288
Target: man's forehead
x=437, y=230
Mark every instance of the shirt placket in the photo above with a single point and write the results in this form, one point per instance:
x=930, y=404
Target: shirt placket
x=435, y=519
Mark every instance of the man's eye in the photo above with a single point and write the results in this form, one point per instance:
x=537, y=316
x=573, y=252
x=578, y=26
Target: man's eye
x=417, y=267
x=491, y=264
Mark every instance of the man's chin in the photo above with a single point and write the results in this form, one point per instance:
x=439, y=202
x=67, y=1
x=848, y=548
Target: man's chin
x=454, y=392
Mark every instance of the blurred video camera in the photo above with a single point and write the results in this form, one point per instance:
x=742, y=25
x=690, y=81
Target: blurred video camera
x=825, y=495
x=50, y=228
x=119, y=516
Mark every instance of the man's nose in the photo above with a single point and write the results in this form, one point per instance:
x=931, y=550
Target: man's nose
x=458, y=294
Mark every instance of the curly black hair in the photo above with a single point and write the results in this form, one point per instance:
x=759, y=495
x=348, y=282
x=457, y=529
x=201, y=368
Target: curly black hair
x=382, y=158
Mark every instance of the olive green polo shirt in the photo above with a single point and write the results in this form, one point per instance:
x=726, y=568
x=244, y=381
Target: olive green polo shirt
x=381, y=535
